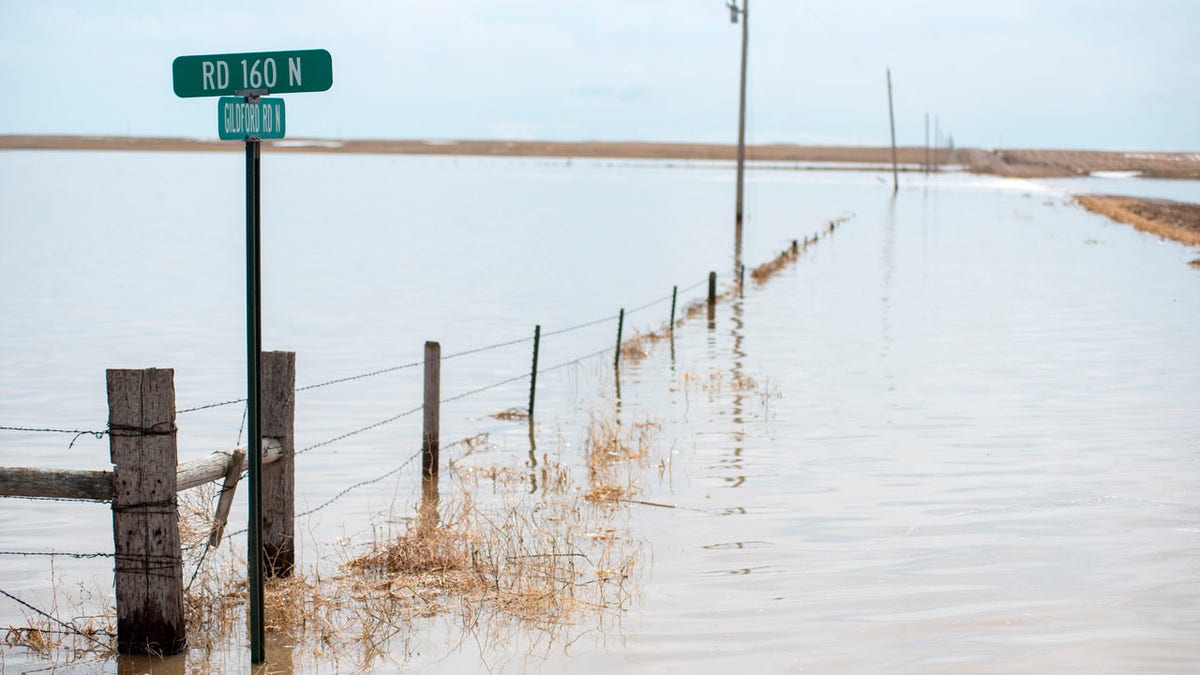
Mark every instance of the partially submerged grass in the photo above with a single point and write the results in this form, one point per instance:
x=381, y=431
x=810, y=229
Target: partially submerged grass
x=1174, y=220
x=511, y=414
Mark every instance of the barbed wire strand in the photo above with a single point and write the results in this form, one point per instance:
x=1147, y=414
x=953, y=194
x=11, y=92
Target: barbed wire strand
x=57, y=499
x=579, y=326
x=210, y=405
x=576, y=360
x=346, y=491
x=69, y=626
x=344, y=436
x=64, y=554
x=501, y=383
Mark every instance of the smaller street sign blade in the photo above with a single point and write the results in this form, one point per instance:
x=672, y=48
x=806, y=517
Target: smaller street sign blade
x=277, y=72
x=238, y=120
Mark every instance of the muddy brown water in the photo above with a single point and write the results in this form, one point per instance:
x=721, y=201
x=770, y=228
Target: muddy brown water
x=958, y=435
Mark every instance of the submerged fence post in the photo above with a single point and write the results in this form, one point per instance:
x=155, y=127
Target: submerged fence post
x=430, y=437
x=537, y=340
x=712, y=289
x=278, y=395
x=148, y=572
x=620, y=326
x=742, y=279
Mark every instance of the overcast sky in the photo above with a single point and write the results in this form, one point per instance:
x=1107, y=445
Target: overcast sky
x=1105, y=74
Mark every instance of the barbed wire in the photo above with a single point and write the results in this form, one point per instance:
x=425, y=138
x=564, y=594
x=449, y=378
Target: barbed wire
x=498, y=345
x=344, y=436
x=78, y=432
x=57, y=499
x=361, y=376
x=648, y=304
x=64, y=554
x=501, y=383
x=579, y=326
x=346, y=491
x=210, y=405
x=576, y=360
x=65, y=624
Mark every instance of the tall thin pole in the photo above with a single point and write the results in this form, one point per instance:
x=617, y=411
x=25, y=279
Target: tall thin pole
x=254, y=552
x=937, y=139
x=892, y=122
x=741, y=153
x=927, y=143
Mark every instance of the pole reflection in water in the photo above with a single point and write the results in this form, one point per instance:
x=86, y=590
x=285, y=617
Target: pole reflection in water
x=532, y=463
x=888, y=268
x=737, y=331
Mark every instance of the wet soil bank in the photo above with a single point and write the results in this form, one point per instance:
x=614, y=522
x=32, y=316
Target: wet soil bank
x=1174, y=220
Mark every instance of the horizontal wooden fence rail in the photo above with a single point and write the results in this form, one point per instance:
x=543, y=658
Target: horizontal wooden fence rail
x=98, y=486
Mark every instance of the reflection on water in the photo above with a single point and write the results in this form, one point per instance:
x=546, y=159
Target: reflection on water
x=964, y=438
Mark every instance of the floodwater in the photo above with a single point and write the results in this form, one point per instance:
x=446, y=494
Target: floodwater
x=957, y=435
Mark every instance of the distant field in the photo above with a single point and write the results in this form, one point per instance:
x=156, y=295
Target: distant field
x=1016, y=163
x=1174, y=220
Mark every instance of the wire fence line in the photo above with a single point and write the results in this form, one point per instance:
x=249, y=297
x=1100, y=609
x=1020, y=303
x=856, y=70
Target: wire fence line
x=450, y=399
x=373, y=373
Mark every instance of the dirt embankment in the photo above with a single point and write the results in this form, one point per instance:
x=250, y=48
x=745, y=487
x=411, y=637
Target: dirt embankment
x=622, y=150
x=1047, y=163
x=1013, y=163
x=1174, y=220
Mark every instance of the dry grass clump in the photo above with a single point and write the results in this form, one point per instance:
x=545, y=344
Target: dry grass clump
x=537, y=563
x=614, y=452
x=511, y=415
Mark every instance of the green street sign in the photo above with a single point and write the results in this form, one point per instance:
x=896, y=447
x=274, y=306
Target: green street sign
x=276, y=72
x=238, y=120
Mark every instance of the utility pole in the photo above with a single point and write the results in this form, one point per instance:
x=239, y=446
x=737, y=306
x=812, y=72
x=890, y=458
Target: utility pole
x=744, y=10
x=892, y=122
x=937, y=139
x=926, y=144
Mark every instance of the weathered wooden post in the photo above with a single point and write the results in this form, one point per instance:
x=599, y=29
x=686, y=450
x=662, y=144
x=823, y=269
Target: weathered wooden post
x=278, y=396
x=712, y=289
x=148, y=572
x=430, y=438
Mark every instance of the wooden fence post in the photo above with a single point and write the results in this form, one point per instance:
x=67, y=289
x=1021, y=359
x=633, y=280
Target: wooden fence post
x=712, y=288
x=148, y=572
x=278, y=396
x=430, y=438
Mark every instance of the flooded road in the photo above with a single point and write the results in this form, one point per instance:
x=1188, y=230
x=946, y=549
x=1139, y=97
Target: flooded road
x=957, y=435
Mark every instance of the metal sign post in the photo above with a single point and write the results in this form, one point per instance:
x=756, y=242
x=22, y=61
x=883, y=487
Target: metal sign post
x=253, y=378
x=249, y=117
